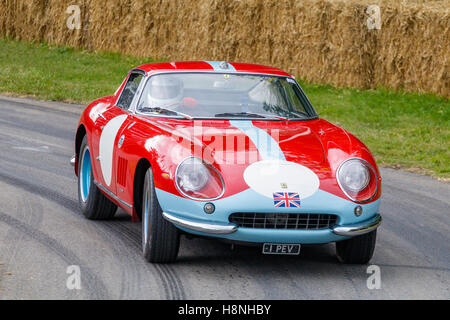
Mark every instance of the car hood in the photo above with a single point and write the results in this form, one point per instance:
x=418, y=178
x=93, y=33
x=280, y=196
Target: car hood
x=307, y=154
x=244, y=142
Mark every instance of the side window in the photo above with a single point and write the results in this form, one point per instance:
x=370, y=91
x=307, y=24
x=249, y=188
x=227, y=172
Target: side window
x=129, y=90
x=294, y=96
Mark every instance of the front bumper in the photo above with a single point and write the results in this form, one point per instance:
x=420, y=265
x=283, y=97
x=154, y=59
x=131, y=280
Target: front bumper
x=189, y=216
x=210, y=228
x=213, y=228
x=358, y=228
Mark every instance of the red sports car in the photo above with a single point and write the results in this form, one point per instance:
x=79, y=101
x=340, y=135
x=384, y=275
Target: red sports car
x=233, y=151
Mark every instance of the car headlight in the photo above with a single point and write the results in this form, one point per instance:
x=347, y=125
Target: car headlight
x=357, y=179
x=198, y=180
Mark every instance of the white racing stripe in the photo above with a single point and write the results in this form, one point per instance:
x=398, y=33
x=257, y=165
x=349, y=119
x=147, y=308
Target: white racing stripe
x=268, y=148
x=217, y=66
x=274, y=173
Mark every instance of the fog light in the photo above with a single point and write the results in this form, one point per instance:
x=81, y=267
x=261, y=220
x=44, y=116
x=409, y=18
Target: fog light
x=209, y=208
x=358, y=211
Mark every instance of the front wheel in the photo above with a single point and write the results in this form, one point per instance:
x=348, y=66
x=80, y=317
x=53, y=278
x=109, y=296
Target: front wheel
x=160, y=238
x=357, y=250
x=93, y=203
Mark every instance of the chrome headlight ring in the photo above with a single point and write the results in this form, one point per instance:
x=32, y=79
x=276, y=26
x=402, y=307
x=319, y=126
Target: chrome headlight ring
x=345, y=188
x=205, y=166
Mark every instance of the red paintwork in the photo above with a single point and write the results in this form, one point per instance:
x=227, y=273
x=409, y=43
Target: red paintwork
x=203, y=66
x=316, y=144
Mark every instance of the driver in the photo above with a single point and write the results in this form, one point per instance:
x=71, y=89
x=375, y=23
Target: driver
x=165, y=92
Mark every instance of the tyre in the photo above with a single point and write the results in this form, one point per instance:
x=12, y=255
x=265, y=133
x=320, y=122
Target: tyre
x=357, y=250
x=93, y=203
x=160, y=238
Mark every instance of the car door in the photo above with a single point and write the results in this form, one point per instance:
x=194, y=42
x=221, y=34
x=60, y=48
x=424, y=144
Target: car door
x=122, y=177
x=108, y=124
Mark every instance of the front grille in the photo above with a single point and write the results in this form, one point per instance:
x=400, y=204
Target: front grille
x=297, y=221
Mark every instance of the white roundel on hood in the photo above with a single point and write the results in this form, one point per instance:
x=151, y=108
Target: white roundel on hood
x=269, y=176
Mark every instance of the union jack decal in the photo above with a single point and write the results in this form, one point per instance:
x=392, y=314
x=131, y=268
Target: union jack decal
x=286, y=199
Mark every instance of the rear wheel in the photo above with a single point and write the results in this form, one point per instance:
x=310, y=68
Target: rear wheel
x=160, y=238
x=93, y=203
x=357, y=250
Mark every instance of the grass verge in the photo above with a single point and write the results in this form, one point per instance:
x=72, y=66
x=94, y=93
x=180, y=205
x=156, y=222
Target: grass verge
x=61, y=73
x=403, y=130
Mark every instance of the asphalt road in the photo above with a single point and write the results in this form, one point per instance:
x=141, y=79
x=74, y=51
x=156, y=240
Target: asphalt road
x=42, y=232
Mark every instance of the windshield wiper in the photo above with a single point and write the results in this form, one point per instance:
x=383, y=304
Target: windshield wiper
x=299, y=115
x=247, y=115
x=162, y=110
x=288, y=115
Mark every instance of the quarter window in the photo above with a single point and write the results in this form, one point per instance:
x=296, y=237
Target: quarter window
x=129, y=91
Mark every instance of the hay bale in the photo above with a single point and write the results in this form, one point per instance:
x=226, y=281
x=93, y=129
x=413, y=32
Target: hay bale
x=324, y=41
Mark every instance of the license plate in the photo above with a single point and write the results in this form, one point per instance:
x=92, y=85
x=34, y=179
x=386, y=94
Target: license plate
x=277, y=248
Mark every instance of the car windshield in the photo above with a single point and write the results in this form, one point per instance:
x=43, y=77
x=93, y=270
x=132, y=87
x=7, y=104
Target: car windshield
x=224, y=96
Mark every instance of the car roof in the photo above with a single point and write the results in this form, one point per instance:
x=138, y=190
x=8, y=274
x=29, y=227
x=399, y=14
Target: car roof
x=218, y=66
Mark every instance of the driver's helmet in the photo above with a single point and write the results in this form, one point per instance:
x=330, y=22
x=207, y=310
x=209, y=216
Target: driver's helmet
x=165, y=91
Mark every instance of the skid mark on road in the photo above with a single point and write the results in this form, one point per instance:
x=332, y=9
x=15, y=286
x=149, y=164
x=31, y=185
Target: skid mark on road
x=95, y=286
x=130, y=280
x=170, y=282
x=30, y=213
x=40, y=191
x=172, y=285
